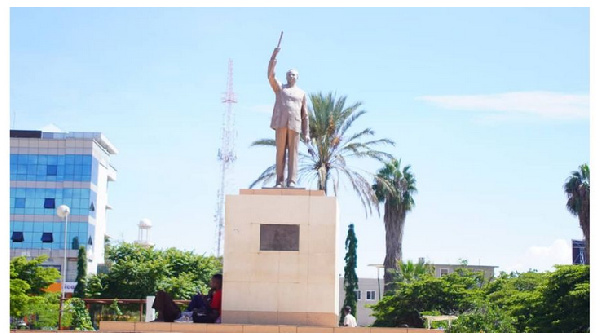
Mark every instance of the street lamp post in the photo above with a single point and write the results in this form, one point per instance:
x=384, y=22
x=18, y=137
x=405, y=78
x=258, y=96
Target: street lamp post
x=378, y=266
x=63, y=212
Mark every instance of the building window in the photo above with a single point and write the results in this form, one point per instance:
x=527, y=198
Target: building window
x=444, y=272
x=51, y=170
x=357, y=294
x=370, y=295
x=47, y=238
x=17, y=236
x=19, y=202
x=49, y=203
x=90, y=240
x=92, y=208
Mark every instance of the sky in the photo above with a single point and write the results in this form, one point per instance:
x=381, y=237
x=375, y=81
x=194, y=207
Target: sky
x=489, y=106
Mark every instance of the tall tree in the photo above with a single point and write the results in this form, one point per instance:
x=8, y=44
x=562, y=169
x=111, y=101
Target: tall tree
x=350, y=277
x=577, y=188
x=394, y=186
x=332, y=146
x=81, y=279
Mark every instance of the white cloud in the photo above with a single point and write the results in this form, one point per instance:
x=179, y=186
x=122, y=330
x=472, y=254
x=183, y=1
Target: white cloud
x=51, y=128
x=543, y=258
x=542, y=104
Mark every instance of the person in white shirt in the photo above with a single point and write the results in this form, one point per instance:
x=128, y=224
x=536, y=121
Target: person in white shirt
x=349, y=319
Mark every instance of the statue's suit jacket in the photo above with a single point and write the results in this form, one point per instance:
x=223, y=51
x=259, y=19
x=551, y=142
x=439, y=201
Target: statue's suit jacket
x=288, y=111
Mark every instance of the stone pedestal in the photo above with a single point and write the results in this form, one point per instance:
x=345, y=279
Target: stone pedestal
x=280, y=256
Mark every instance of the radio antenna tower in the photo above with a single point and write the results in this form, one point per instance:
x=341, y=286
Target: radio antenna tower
x=226, y=157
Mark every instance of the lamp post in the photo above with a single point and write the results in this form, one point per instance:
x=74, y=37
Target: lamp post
x=378, y=266
x=63, y=212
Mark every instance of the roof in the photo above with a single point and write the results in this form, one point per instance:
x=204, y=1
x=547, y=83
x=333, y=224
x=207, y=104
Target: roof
x=98, y=137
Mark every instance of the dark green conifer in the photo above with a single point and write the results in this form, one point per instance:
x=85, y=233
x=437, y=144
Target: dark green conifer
x=350, y=277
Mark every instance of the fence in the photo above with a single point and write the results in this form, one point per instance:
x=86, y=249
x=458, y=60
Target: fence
x=89, y=303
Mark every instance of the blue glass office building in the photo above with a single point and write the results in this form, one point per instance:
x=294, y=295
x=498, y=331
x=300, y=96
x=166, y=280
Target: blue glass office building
x=49, y=169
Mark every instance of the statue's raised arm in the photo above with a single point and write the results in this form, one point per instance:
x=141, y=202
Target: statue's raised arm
x=272, y=62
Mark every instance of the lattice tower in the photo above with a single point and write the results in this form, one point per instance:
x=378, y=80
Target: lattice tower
x=226, y=156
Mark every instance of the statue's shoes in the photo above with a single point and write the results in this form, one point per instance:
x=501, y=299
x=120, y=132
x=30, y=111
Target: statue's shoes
x=278, y=185
x=291, y=184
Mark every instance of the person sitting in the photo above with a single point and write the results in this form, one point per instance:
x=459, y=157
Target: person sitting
x=211, y=313
x=198, y=303
x=349, y=319
x=166, y=307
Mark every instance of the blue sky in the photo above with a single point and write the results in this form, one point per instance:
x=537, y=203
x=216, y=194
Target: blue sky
x=490, y=107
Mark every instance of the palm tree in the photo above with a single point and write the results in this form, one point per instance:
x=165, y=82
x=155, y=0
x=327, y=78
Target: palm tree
x=332, y=146
x=394, y=186
x=577, y=188
x=409, y=271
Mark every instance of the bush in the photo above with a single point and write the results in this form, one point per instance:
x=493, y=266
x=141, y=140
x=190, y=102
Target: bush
x=81, y=318
x=485, y=318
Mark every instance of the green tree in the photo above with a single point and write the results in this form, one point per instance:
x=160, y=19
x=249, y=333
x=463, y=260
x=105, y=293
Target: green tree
x=518, y=294
x=36, y=276
x=331, y=148
x=409, y=271
x=577, y=188
x=43, y=311
x=455, y=293
x=81, y=279
x=80, y=317
x=28, y=281
x=564, y=305
x=115, y=310
x=550, y=302
x=485, y=318
x=350, y=277
x=95, y=285
x=136, y=271
x=19, y=299
x=394, y=186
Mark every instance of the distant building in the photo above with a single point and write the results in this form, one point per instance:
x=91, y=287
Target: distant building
x=444, y=269
x=49, y=169
x=370, y=289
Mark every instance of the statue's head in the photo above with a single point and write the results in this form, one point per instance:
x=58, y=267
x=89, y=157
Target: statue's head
x=291, y=76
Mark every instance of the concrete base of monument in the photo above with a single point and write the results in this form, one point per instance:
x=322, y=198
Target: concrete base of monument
x=282, y=318
x=279, y=188
x=177, y=327
x=279, y=260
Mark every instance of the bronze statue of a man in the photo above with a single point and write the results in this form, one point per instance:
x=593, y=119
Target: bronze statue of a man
x=290, y=117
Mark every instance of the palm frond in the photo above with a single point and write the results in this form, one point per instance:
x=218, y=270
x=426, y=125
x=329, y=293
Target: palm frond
x=577, y=189
x=396, y=185
x=362, y=187
x=268, y=174
x=330, y=117
x=360, y=134
x=264, y=141
x=347, y=123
